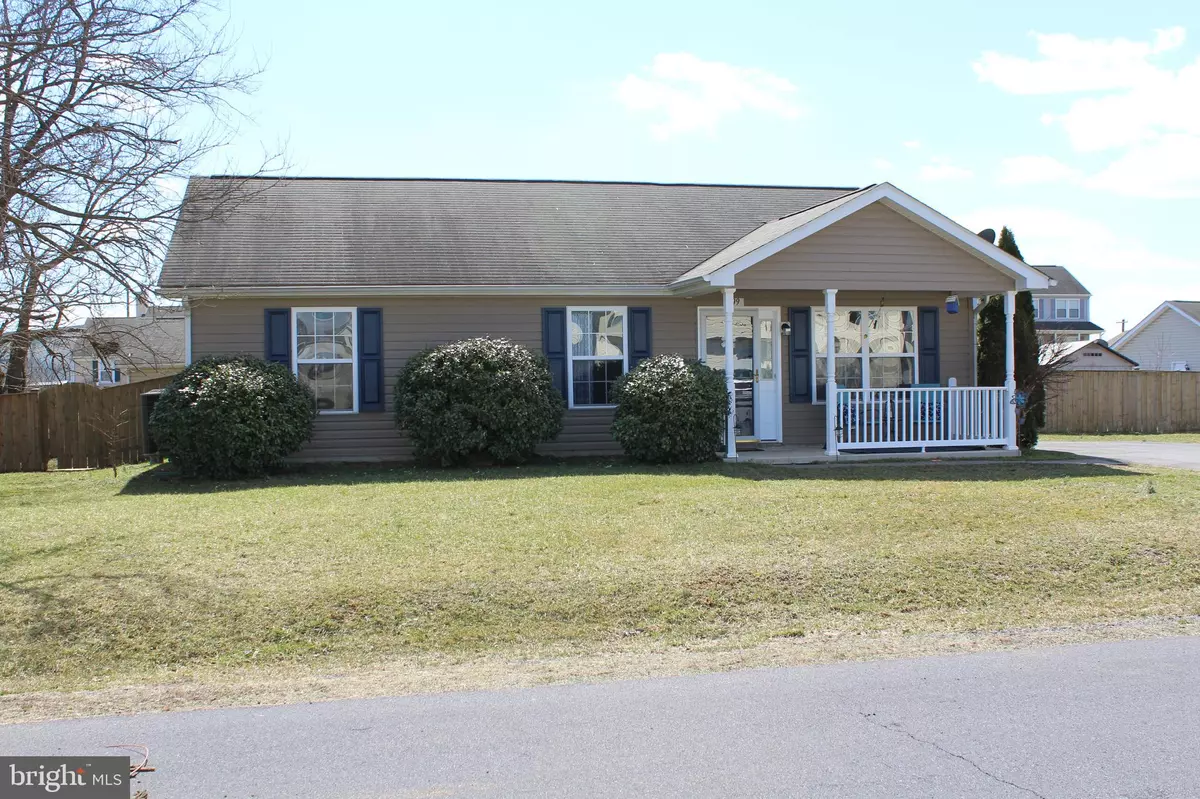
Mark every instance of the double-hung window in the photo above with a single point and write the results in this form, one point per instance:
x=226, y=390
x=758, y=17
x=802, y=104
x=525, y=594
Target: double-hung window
x=1067, y=309
x=324, y=355
x=105, y=371
x=598, y=354
x=872, y=348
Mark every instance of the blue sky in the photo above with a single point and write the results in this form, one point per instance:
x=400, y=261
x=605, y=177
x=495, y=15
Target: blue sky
x=1078, y=124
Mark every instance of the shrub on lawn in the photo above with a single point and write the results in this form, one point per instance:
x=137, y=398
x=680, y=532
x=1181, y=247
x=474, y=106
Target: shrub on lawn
x=671, y=410
x=481, y=396
x=232, y=417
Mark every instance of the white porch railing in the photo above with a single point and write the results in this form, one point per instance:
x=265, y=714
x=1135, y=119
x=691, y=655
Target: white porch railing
x=896, y=418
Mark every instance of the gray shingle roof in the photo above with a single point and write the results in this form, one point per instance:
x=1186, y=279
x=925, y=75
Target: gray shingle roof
x=764, y=234
x=417, y=232
x=1067, y=284
x=1074, y=324
x=1190, y=308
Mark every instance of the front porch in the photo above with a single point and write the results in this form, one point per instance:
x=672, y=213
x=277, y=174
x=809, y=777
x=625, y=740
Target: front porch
x=797, y=455
x=874, y=351
x=887, y=370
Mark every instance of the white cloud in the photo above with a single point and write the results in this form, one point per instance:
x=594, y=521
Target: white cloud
x=1071, y=64
x=1127, y=278
x=695, y=95
x=882, y=164
x=1147, y=115
x=1024, y=170
x=941, y=169
x=912, y=144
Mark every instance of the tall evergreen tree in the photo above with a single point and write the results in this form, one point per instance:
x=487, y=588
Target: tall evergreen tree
x=991, y=336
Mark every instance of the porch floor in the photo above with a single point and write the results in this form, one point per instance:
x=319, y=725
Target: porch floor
x=795, y=454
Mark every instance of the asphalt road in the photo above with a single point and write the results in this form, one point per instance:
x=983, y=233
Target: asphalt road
x=1102, y=720
x=1150, y=453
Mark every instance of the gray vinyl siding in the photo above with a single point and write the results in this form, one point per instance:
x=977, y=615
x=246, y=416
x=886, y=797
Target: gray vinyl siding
x=875, y=247
x=235, y=326
x=1048, y=314
x=1171, y=337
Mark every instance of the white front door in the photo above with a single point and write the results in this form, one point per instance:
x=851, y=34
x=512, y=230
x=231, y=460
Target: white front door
x=756, y=353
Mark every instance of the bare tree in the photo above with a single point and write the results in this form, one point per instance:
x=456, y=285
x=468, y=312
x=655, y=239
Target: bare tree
x=1046, y=381
x=111, y=425
x=97, y=95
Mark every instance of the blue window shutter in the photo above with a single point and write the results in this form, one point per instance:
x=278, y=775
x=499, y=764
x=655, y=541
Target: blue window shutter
x=800, y=355
x=554, y=345
x=929, y=360
x=639, y=336
x=370, y=359
x=279, y=336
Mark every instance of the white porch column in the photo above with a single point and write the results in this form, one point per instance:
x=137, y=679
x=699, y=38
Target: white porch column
x=830, y=374
x=1010, y=368
x=730, y=436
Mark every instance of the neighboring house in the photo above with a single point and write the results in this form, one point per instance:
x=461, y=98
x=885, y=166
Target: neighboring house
x=1062, y=312
x=112, y=350
x=1087, y=356
x=1168, y=340
x=779, y=287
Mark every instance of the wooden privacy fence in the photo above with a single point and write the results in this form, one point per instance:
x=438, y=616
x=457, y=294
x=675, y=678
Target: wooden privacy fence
x=75, y=424
x=1126, y=402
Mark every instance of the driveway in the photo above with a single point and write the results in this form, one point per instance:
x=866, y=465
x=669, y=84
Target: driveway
x=1102, y=720
x=1150, y=453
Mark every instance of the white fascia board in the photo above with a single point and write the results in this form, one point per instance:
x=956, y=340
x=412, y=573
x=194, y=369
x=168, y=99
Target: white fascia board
x=1025, y=275
x=1183, y=313
x=218, y=292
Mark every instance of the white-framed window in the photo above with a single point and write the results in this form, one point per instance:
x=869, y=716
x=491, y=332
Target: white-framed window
x=324, y=354
x=597, y=356
x=105, y=371
x=1069, y=308
x=1037, y=308
x=872, y=348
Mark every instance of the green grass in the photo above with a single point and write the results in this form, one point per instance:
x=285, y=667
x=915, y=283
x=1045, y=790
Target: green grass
x=114, y=580
x=1174, y=438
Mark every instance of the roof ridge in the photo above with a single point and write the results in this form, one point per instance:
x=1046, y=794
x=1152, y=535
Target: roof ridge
x=564, y=181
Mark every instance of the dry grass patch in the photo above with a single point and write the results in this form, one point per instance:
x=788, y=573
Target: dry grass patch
x=142, y=579
x=1169, y=438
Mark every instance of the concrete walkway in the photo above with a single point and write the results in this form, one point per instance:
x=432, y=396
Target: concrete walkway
x=1149, y=453
x=1095, y=721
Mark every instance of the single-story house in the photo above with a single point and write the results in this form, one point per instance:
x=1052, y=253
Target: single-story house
x=1087, y=356
x=798, y=294
x=1167, y=340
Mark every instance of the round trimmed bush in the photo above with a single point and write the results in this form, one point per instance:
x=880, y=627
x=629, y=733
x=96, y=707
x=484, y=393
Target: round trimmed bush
x=671, y=410
x=478, y=397
x=232, y=417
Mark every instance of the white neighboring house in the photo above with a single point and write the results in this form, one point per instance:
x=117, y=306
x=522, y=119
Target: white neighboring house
x=112, y=350
x=1168, y=340
x=1087, y=356
x=1062, y=312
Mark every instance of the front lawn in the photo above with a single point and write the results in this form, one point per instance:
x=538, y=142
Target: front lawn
x=118, y=580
